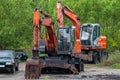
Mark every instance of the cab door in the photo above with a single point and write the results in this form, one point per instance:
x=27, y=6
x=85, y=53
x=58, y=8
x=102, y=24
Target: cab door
x=96, y=34
x=64, y=40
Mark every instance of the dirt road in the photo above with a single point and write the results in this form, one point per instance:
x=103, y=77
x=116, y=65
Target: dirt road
x=91, y=73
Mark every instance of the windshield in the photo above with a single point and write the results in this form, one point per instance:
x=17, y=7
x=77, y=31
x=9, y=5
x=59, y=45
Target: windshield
x=64, y=39
x=64, y=34
x=6, y=55
x=86, y=32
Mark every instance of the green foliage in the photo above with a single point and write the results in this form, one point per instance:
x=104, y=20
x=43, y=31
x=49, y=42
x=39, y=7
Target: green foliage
x=116, y=66
x=113, y=61
x=16, y=19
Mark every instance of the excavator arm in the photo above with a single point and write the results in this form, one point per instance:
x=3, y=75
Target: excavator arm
x=36, y=33
x=49, y=25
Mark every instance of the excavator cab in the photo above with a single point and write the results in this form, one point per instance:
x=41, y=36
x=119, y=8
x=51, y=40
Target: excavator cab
x=90, y=34
x=65, y=40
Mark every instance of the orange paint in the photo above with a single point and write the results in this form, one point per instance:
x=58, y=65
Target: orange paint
x=102, y=42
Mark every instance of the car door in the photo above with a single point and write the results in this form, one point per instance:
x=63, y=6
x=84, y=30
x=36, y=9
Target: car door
x=16, y=59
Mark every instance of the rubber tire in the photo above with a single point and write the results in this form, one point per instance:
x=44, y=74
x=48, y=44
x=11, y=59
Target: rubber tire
x=17, y=68
x=104, y=56
x=78, y=66
x=13, y=69
x=82, y=67
x=95, y=58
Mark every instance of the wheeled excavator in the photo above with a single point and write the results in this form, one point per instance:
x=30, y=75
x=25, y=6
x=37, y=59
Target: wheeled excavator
x=62, y=50
x=92, y=44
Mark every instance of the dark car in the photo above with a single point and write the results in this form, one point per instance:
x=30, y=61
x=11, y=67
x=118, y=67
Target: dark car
x=22, y=54
x=9, y=60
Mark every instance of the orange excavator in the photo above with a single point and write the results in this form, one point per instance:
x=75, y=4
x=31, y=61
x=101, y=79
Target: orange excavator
x=92, y=44
x=62, y=50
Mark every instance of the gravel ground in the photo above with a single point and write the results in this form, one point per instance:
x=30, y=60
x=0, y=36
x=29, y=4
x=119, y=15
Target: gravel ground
x=91, y=73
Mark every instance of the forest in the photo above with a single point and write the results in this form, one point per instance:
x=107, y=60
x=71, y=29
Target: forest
x=16, y=19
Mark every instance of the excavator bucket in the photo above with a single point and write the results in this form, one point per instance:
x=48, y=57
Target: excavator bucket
x=33, y=69
x=33, y=66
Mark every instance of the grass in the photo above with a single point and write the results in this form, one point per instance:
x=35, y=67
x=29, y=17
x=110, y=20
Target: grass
x=113, y=61
x=116, y=66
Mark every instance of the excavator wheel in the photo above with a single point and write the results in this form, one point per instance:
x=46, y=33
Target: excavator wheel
x=80, y=65
x=33, y=69
x=95, y=58
x=104, y=56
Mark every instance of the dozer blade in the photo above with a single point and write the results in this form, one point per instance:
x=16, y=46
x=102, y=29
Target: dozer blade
x=33, y=69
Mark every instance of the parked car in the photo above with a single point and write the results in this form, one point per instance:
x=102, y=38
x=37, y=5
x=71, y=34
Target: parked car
x=22, y=54
x=9, y=60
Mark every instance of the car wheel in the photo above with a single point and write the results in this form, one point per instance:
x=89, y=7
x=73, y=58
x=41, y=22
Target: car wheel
x=17, y=68
x=25, y=58
x=13, y=70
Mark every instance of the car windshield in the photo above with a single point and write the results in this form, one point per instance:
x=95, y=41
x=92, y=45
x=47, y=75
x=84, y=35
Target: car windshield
x=6, y=55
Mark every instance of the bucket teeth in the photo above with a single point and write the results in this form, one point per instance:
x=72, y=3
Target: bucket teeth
x=73, y=69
